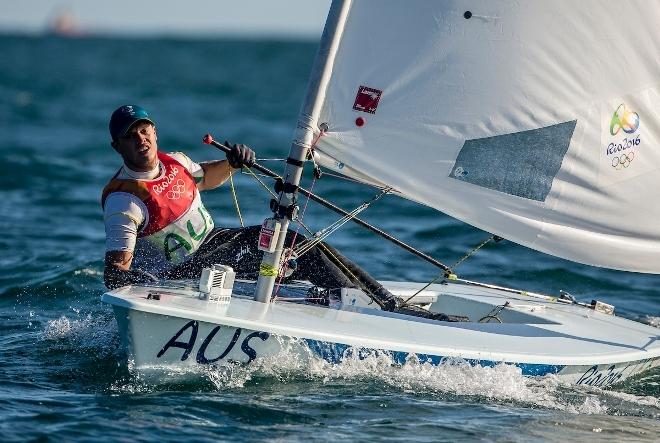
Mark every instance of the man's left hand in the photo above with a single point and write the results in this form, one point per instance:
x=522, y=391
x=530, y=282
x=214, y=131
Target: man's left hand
x=240, y=155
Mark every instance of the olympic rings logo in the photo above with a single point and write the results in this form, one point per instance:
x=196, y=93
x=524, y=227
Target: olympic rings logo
x=623, y=160
x=176, y=191
x=624, y=119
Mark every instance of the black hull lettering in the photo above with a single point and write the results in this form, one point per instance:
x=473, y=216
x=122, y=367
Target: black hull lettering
x=187, y=346
x=245, y=346
x=201, y=358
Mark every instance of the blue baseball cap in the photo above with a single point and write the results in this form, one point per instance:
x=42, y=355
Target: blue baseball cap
x=126, y=116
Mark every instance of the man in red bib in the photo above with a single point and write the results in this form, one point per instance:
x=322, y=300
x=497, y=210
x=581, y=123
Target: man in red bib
x=157, y=226
x=154, y=216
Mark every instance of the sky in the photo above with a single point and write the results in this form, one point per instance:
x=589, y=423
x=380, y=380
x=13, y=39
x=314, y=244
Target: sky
x=295, y=18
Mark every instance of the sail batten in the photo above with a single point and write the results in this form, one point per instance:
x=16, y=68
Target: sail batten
x=537, y=121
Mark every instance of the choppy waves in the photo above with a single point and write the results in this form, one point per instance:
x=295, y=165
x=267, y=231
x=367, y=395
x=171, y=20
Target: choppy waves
x=65, y=376
x=84, y=330
x=95, y=336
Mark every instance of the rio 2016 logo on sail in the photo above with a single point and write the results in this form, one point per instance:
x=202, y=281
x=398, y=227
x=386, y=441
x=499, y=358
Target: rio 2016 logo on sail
x=624, y=119
x=628, y=122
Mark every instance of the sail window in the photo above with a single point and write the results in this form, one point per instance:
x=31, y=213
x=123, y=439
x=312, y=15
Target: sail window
x=523, y=164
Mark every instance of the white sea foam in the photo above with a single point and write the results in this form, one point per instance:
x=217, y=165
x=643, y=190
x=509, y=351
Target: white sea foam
x=89, y=272
x=295, y=364
x=501, y=383
x=97, y=334
x=652, y=320
x=648, y=400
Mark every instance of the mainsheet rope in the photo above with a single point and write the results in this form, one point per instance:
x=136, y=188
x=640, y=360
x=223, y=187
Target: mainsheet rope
x=324, y=233
x=337, y=263
x=450, y=274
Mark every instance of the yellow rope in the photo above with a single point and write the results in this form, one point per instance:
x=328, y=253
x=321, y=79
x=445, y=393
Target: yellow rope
x=233, y=193
x=267, y=270
x=262, y=183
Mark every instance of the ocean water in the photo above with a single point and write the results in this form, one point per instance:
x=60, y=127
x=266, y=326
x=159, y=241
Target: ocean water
x=63, y=377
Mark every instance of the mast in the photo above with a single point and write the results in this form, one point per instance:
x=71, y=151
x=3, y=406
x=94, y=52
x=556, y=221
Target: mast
x=285, y=208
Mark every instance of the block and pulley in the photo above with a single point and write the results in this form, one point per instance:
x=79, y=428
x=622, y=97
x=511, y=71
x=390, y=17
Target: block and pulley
x=290, y=211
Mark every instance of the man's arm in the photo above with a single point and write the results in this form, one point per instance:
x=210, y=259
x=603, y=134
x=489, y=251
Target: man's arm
x=117, y=263
x=217, y=172
x=123, y=213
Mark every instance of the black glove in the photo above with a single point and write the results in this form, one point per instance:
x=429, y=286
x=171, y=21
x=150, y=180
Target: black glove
x=116, y=278
x=240, y=155
x=140, y=276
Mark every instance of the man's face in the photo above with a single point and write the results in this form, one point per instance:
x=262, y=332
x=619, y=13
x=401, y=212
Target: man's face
x=138, y=147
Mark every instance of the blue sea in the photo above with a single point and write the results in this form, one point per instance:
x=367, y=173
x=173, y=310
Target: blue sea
x=63, y=375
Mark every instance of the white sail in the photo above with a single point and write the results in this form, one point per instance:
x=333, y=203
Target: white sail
x=538, y=120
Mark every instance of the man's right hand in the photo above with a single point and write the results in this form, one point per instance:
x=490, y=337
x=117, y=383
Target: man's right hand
x=240, y=155
x=117, y=271
x=117, y=279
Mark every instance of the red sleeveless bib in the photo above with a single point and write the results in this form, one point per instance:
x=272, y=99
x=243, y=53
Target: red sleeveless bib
x=167, y=197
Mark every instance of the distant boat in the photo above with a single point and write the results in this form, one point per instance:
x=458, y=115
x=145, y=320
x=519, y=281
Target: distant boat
x=64, y=24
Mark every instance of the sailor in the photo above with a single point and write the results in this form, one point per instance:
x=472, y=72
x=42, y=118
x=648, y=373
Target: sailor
x=157, y=226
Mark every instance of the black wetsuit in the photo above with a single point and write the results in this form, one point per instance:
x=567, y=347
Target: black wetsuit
x=322, y=265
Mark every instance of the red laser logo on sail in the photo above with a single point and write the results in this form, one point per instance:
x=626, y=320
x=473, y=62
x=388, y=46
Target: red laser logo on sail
x=367, y=99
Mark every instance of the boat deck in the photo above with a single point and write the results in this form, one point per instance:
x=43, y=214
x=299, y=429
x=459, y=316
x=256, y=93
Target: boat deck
x=531, y=330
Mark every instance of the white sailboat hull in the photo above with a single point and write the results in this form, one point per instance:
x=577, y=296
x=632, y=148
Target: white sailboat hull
x=164, y=328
